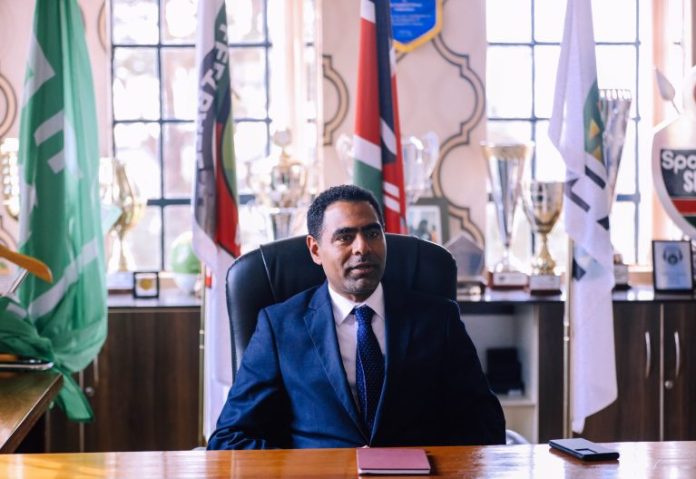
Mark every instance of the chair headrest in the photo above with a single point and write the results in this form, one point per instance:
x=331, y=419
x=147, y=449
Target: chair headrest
x=276, y=271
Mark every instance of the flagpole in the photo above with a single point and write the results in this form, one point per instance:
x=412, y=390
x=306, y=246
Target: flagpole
x=567, y=318
x=201, y=358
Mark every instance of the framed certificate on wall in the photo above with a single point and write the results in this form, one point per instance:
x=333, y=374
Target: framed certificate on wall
x=672, y=267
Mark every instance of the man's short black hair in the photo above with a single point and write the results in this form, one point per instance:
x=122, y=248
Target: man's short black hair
x=352, y=193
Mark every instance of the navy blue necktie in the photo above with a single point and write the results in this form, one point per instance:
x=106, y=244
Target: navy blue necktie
x=369, y=366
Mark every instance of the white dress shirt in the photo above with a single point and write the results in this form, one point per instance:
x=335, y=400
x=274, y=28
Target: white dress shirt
x=347, y=329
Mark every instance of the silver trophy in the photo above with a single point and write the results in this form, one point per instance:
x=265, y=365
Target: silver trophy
x=420, y=157
x=505, y=166
x=614, y=107
x=280, y=183
x=543, y=201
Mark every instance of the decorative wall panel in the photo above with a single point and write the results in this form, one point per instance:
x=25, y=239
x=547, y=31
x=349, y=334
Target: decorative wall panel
x=441, y=88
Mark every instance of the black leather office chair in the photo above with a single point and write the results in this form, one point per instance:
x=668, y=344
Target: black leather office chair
x=276, y=271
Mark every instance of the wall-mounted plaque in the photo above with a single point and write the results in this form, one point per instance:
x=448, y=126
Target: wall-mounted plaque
x=414, y=22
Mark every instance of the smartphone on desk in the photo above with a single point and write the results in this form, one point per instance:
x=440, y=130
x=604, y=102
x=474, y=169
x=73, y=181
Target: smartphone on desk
x=584, y=449
x=25, y=364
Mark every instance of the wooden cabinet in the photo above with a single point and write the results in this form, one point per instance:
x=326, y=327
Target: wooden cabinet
x=534, y=327
x=655, y=369
x=143, y=387
x=635, y=415
x=655, y=365
x=679, y=382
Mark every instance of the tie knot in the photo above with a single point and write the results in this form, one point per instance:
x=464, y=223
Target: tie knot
x=363, y=314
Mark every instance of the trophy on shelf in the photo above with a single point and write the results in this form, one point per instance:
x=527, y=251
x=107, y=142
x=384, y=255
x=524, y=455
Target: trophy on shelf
x=614, y=106
x=280, y=183
x=9, y=176
x=122, y=200
x=10, y=274
x=505, y=166
x=543, y=201
x=420, y=158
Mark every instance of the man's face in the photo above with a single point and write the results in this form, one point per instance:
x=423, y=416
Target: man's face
x=351, y=249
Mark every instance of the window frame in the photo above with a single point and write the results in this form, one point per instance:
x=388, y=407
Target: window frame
x=163, y=201
x=626, y=198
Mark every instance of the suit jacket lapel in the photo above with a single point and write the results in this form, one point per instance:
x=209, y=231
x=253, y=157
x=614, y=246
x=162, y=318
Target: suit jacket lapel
x=321, y=328
x=397, y=336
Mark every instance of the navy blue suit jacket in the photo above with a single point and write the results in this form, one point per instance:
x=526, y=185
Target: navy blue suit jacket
x=291, y=390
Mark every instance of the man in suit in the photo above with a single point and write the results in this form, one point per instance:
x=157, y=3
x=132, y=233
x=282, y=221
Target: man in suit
x=354, y=362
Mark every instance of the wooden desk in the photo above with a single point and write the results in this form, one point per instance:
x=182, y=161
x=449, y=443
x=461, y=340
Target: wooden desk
x=638, y=460
x=24, y=397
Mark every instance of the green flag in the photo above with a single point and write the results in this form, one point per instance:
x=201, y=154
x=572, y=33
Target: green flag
x=60, y=214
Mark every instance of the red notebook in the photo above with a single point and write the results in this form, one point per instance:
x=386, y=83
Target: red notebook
x=378, y=460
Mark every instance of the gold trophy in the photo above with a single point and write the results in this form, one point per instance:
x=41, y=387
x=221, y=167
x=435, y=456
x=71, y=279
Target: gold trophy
x=543, y=201
x=505, y=166
x=120, y=192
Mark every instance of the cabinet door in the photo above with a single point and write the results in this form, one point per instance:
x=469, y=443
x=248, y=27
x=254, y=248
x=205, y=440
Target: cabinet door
x=635, y=415
x=550, y=371
x=143, y=387
x=679, y=371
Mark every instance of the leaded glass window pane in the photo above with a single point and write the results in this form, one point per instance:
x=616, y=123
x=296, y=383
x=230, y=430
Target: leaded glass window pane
x=509, y=81
x=135, y=84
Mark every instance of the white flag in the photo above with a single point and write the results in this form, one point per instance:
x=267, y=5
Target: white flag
x=576, y=130
x=215, y=214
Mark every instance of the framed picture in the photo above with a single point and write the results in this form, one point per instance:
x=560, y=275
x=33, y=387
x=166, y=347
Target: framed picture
x=428, y=219
x=146, y=284
x=672, y=267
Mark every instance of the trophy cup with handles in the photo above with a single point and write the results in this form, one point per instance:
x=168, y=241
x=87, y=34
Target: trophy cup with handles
x=505, y=166
x=280, y=182
x=543, y=201
x=420, y=156
x=614, y=106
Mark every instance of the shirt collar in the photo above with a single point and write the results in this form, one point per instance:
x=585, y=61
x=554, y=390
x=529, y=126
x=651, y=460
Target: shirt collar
x=343, y=307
